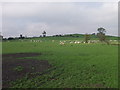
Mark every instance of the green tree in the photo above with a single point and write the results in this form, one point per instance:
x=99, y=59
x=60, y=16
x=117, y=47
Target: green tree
x=44, y=34
x=101, y=30
x=101, y=35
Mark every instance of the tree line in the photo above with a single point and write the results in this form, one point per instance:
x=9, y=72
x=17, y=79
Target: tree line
x=101, y=35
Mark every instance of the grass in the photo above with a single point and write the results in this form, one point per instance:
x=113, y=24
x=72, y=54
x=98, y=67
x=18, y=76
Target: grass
x=77, y=65
x=18, y=68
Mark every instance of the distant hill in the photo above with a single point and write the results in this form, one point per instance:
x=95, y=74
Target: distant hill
x=92, y=36
x=67, y=36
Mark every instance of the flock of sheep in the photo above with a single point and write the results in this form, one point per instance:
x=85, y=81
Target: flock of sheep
x=77, y=42
x=63, y=42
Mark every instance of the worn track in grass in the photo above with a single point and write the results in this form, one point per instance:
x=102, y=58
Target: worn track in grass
x=14, y=67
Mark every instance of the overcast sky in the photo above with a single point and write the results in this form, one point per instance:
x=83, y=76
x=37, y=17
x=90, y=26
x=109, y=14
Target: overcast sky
x=31, y=19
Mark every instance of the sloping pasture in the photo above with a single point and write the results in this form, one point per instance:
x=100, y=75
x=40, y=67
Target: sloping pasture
x=93, y=65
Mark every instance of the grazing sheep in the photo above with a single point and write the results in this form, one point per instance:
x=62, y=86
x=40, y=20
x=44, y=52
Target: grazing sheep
x=78, y=42
x=88, y=42
x=34, y=41
x=115, y=40
x=71, y=42
x=62, y=43
x=75, y=42
x=53, y=40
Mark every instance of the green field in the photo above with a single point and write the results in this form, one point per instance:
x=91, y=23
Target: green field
x=77, y=65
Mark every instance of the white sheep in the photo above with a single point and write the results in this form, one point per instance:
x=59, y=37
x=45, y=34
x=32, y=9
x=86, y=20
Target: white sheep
x=62, y=43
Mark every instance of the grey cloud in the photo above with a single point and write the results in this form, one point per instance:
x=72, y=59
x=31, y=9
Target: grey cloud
x=60, y=18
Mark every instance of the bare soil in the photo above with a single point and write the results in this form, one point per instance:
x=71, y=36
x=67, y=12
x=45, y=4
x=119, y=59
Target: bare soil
x=11, y=64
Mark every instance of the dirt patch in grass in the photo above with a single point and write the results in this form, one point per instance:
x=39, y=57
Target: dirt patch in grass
x=19, y=55
x=14, y=67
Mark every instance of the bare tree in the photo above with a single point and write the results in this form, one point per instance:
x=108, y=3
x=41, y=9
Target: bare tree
x=87, y=37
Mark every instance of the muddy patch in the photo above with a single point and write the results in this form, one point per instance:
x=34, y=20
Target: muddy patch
x=14, y=67
x=19, y=55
